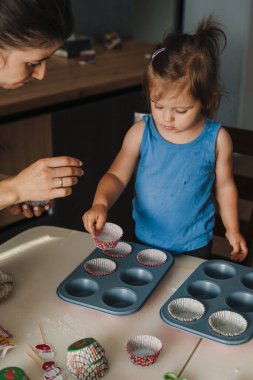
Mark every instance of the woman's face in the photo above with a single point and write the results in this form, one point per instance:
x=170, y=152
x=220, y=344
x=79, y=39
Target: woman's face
x=17, y=67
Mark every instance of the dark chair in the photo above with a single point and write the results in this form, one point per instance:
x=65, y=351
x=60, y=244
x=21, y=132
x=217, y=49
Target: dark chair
x=243, y=174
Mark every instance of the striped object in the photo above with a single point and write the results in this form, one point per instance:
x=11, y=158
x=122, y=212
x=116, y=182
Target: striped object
x=86, y=359
x=6, y=284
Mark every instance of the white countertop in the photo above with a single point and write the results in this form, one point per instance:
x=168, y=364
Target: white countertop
x=41, y=258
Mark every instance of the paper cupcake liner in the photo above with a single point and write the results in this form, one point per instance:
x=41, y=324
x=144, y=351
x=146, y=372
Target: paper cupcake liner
x=80, y=367
x=100, y=267
x=151, y=257
x=5, y=290
x=122, y=250
x=6, y=285
x=143, y=350
x=37, y=203
x=228, y=323
x=86, y=359
x=6, y=278
x=186, y=309
x=109, y=237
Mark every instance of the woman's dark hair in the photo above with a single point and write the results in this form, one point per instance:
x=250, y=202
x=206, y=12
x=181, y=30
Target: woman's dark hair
x=34, y=23
x=192, y=61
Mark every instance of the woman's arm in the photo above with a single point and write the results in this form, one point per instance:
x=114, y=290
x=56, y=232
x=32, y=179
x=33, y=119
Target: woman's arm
x=227, y=196
x=115, y=180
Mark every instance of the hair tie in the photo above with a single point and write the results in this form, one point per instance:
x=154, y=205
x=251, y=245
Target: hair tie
x=157, y=52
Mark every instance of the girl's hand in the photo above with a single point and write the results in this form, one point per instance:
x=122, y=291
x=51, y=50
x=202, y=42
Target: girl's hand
x=238, y=243
x=94, y=219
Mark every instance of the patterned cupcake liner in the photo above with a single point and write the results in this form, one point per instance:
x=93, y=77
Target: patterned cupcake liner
x=37, y=203
x=100, y=267
x=122, y=250
x=186, y=309
x=143, y=350
x=151, y=257
x=109, y=237
x=228, y=323
x=6, y=285
x=86, y=360
x=6, y=278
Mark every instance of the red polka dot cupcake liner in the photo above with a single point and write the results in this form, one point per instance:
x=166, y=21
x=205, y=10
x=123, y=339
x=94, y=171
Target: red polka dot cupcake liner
x=109, y=237
x=122, y=250
x=143, y=350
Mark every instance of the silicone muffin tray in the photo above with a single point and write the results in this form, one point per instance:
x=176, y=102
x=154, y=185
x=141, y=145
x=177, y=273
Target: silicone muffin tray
x=218, y=285
x=121, y=292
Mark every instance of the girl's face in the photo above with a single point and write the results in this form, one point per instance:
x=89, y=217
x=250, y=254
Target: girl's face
x=18, y=67
x=176, y=113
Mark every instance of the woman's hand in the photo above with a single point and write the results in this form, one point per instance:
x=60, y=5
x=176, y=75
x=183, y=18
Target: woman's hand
x=238, y=243
x=28, y=211
x=94, y=219
x=47, y=178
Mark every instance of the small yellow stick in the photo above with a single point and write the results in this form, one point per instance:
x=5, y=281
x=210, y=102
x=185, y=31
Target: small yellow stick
x=32, y=355
x=41, y=334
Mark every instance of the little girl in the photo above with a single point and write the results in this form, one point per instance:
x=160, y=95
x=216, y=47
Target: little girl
x=181, y=154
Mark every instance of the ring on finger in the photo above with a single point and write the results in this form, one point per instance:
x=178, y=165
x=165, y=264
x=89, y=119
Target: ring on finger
x=60, y=182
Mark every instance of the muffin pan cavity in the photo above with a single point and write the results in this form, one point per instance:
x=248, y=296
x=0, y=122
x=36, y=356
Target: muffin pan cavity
x=118, y=284
x=226, y=292
x=220, y=271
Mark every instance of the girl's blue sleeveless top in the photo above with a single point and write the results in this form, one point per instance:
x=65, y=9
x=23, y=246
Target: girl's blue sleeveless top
x=173, y=207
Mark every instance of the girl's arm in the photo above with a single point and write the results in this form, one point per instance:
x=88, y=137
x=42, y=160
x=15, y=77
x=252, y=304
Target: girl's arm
x=115, y=180
x=227, y=197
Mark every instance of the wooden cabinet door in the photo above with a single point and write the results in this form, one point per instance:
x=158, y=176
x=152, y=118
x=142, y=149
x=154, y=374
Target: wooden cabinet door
x=23, y=142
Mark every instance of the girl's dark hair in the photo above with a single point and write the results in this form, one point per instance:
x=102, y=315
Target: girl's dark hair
x=34, y=23
x=192, y=60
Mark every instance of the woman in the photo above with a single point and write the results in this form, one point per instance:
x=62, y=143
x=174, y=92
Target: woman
x=30, y=32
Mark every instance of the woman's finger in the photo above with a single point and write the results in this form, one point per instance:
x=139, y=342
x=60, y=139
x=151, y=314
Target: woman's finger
x=38, y=211
x=67, y=171
x=65, y=182
x=27, y=211
x=60, y=161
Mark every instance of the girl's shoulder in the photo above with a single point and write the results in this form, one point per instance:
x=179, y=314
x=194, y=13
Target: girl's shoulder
x=223, y=136
x=133, y=137
x=224, y=142
x=136, y=131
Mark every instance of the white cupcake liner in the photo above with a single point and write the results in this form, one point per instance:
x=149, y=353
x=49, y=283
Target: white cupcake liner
x=109, y=237
x=143, y=350
x=6, y=284
x=228, y=323
x=6, y=278
x=100, y=267
x=151, y=257
x=5, y=290
x=122, y=250
x=186, y=309
x=37, y=203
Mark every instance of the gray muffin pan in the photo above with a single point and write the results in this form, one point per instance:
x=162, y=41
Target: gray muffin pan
x=219, y=285
x=122, y=292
